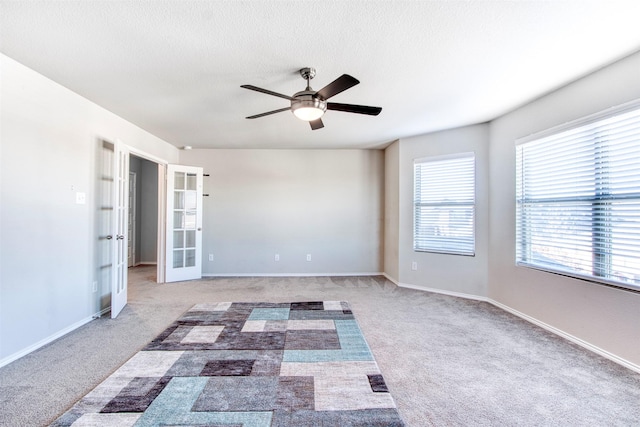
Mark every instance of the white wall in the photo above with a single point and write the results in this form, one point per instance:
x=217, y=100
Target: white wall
x=48, y=139
x=604, y=317
x=327, y=203
x=444, y=272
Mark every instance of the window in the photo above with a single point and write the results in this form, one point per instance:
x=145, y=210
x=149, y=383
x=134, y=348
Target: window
x=444, y=204
x=578, y=199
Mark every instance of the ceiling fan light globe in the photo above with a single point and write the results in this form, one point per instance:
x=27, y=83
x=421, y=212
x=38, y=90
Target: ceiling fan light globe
x=308, y=114
x=307, y=107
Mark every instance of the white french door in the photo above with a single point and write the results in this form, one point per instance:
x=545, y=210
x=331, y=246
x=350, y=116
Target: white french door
x=120, y=229
x=104, y=224
x=184, y=223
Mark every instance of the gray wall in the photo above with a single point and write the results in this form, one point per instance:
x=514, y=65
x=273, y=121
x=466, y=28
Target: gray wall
x=601, y=317
x=327, y=203
x=451, y=273
x=146, y=209
x=148, y=212
x=48, y=153
x=604, y=317
x=135, y=165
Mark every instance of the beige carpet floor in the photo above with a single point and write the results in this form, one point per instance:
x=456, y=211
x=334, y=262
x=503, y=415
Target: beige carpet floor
x=446, y=361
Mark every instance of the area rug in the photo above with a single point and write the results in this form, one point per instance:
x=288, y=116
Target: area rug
x=247, y=364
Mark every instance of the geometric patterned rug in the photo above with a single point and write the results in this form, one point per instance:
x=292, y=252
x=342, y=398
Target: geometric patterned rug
x=247, y=364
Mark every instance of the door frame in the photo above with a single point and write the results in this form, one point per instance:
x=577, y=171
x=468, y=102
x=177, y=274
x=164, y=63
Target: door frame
x=162, y=206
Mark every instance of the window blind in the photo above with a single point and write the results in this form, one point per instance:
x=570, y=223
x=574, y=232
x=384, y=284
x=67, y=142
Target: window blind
x=444, y=204
x=578, y=200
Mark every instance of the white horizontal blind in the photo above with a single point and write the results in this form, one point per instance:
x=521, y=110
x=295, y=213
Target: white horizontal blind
x=444, y=204
x=578, y=201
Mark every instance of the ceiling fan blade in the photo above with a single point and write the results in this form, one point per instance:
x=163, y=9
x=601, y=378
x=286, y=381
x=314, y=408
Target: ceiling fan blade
x=350, y=108
x=316, y=124
x=268, y=92
x=340, y=84
x=269, y=113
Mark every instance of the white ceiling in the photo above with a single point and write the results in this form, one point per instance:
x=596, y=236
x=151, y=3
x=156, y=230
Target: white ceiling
x=174, y=68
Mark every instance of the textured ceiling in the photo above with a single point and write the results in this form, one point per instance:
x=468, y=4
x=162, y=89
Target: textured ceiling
x=174, y=68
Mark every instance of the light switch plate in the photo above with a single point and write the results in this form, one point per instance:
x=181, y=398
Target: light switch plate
x=81, y=198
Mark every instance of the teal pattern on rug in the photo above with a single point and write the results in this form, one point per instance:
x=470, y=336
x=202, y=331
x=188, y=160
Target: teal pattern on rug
x=249, y=365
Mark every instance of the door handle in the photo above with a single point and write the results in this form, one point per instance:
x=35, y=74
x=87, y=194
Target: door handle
x=120, y=237
x=109, y=237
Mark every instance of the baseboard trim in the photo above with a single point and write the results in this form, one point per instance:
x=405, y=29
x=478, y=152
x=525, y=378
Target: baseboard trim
x=584, y=344
x=440, y=291
x=391, y=279
x=291, y=274
x=15, y=356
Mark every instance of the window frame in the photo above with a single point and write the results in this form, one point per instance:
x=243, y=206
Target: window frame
x=471, y=251
x=598, y=274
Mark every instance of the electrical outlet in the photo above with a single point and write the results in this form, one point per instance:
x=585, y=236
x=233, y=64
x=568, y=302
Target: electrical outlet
x=95, y=286
x=277, y=257
x=81, y=198
x=414, y=266
x=308, y=257
x=210, y=257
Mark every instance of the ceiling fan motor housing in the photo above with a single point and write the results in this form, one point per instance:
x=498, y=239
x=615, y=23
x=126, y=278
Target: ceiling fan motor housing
x=305, y=100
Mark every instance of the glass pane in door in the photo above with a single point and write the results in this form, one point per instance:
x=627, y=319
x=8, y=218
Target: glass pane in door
x=178, y=219
x=178, y=182
x=178, y=199
x=178, y=239
x=190, y=258
x=178, y=258
x=190, y=200
x=192, y=181
x=190, y=220
x=190, y=239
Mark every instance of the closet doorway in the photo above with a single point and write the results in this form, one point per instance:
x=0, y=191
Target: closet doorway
x=143, y=212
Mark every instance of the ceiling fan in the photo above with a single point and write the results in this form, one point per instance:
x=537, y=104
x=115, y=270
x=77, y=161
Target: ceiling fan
x=309, y=105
